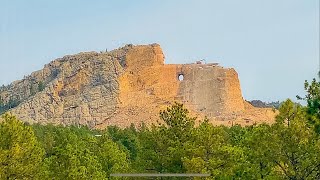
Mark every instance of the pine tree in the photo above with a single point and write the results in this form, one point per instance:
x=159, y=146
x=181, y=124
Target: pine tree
x=20, y=153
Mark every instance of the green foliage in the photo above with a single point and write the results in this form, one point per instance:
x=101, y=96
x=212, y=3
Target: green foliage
x=32, y=89
x=313, y=103
x=111, y=157
x=41, y=86
x=289, y=112
x=73, y=162
x=296, y=150
x=2, y=105
x=75, y=153
x=170, y=139
x=287, y=149
x=36, y=87
x=210, y=151
x=257, y=144
x=127, y=138
x=9, y=105
x=20, y=153
x=176, y=118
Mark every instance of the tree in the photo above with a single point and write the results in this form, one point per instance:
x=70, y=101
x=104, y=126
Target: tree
x=177, y=120
x=210, y=151
x=111, y=157
x=20, y=153
x=163, y=146
x=74, y=162
x=32, y=89
x=12, y=103
x=2, y=105
x=297, y=150
x=75, y=153
x=127, y=138
x=313, y=103
x=70, y=154
x=41, y=86
x=258, y=145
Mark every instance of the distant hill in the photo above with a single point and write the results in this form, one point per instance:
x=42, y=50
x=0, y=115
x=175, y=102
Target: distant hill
x=261, y=104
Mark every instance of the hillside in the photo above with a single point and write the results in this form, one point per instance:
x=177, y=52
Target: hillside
x=127, y=85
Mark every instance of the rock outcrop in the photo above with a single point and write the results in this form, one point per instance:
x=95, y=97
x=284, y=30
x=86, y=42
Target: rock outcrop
x=128, y=85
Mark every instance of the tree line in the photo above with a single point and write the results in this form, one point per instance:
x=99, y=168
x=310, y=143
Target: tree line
x=287, y=149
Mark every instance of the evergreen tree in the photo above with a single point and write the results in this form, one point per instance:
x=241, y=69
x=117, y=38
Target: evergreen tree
x=20, y=153
x=313, y=103
x=296, y=152
x=211, y=152
x=41, y=86
x=70, y=155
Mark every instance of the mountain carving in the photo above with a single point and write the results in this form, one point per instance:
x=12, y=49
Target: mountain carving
x=128, y=85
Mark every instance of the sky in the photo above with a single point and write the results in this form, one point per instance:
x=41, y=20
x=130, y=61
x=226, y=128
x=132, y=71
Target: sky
x=272, y=44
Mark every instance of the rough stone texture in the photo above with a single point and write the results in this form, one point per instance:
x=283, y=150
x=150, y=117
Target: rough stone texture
x=129, y=85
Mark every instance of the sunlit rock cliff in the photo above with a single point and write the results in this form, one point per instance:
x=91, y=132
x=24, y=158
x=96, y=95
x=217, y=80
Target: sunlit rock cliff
x=127, y=85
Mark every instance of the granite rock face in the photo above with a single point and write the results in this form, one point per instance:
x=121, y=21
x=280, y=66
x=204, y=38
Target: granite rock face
x=128, y=85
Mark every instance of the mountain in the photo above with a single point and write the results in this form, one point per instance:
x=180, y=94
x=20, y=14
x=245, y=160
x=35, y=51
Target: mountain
x=128, y=85
x=261, y=104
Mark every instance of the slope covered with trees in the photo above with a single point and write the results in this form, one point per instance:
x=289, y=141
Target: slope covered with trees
x=287, y=149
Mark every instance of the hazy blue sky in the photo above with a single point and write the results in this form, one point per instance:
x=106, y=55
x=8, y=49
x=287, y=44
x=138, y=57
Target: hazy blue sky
x=273, y=44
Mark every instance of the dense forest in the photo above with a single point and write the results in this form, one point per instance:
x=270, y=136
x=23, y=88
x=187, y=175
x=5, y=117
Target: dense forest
x=287, y=149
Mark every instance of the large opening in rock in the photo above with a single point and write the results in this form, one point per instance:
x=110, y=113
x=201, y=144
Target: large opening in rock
x=180, y=77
